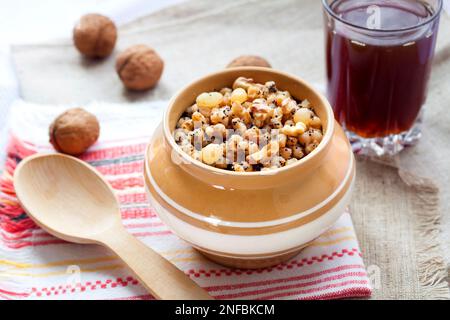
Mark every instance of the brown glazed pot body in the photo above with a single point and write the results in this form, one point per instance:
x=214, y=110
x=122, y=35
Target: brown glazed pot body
x=256, y=219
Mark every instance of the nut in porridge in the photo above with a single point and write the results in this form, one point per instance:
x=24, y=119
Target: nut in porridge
x=249, y=127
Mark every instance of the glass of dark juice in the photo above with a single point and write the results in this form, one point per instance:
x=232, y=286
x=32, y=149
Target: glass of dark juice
x=379, y=55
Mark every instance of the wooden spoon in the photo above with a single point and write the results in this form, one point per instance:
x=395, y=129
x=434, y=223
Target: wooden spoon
x=70, y=200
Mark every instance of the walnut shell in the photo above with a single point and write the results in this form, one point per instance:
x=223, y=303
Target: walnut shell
x=139, y=67
x=95, y=35
x=74, y=131
x=249, y=61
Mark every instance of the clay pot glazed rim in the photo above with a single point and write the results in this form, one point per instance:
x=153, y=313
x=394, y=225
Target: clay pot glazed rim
x=317, y=153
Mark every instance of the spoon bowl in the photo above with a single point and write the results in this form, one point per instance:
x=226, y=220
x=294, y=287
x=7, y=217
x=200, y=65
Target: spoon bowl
x=71, y=200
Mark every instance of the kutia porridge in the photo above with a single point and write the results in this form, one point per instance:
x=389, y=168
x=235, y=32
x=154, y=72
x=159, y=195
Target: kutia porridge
x=251, y=127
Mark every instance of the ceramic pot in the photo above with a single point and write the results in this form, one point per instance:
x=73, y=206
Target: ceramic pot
x=249, y=219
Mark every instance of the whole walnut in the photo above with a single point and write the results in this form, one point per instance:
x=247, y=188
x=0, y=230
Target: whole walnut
x=74, y=131
x=95, y=35
x=139, y=67
x=249, y=61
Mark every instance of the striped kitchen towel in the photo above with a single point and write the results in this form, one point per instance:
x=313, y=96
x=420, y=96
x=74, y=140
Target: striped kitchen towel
x=36, y=265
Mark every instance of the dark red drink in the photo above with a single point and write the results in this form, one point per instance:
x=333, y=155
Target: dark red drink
x=377, y=78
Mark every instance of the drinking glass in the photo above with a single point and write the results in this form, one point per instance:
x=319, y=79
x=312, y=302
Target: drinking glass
x=379, y=55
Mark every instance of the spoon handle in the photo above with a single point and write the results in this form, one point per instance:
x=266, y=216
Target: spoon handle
x=160, y=277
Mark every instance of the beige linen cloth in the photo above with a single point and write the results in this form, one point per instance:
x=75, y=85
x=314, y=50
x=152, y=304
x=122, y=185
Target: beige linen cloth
x=397, y=215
